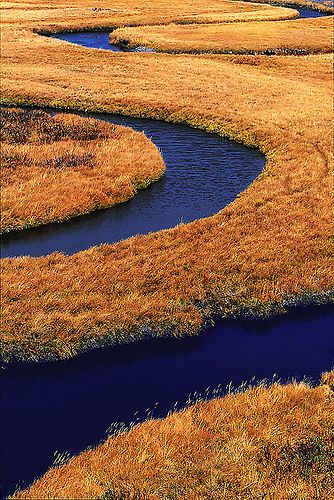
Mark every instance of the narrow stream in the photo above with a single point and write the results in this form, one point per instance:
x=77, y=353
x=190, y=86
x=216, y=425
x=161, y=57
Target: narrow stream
x=100, y=39
x=204, y=173
x=68, y=405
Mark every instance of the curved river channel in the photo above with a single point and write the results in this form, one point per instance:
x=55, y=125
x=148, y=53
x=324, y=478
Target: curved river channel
x=100, y=39
x=68, y=405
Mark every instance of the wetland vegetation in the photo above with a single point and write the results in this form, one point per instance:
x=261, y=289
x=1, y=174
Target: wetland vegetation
x=271, y=441
x=283, y=37
x=54, y=168
x=269, y=249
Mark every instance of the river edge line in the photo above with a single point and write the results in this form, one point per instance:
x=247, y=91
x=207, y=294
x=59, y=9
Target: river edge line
x=105, y=175
x=264, y=411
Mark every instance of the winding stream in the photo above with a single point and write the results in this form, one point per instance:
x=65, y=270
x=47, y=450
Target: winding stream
x=68, y=405
x=100, y=39
x=204, y=173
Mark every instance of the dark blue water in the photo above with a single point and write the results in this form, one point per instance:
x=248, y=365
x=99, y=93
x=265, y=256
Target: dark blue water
x=100, y=39
x=306, y=13
x=96, y=40
x=66, y=406
x=204, y=173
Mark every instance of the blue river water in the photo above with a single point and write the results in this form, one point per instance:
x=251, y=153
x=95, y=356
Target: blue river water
x=100, y=39
x=204, y=173
x=68, y=405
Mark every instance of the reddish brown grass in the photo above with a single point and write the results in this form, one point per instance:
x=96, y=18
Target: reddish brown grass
x=273, y=246
x=271, y=442
x=300, y=36
x=328, y=379
x=56, y=168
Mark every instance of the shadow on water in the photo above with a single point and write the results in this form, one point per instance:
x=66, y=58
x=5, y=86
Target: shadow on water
x=307, y=13
x=68, y=405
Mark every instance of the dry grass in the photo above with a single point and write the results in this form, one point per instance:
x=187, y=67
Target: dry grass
x=273, y=442
x=320, y=6
x=248, y=13
x=273, y=246
x=100, y=13
x=301, y=36
x=328, y=379
x=56, y=168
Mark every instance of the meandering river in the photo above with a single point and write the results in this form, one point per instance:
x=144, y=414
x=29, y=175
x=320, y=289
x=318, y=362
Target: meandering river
x=100, y=39
x=68, y=405
x=204, y=173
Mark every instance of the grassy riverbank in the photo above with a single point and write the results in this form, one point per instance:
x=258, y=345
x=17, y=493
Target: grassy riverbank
x=272, y=247
x=304, y=36
x=270, y=441
x=61, y=167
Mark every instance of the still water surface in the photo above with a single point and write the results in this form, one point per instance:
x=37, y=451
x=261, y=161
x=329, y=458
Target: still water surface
x=68, y=405
x=204, y=173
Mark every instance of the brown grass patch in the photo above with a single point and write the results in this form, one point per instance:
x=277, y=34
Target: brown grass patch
x=272, y=247
x=300, y=36
x=274, y=442
x=56, y=168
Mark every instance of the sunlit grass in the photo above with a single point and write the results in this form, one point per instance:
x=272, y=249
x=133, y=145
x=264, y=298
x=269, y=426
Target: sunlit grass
x=56, y=168
x=269, y=249
x=302, y=36
x=271, y=441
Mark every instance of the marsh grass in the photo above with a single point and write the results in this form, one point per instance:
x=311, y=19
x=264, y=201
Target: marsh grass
x=261, y=441
x=271, y=248
x=302, y=36
x=55, y=168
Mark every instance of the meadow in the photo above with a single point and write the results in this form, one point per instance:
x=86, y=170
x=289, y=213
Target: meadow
x=54, y=168
x=272, y=442
x=269, y=249
x=283, y=37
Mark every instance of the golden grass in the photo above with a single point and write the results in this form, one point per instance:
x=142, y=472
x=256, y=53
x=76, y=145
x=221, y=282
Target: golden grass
x=271, y=442
x=251, y=12
x=100, y=13
x=320, y=6
x=273, y=246
x=300, y=36
x=328, y=378
x=56, y=168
